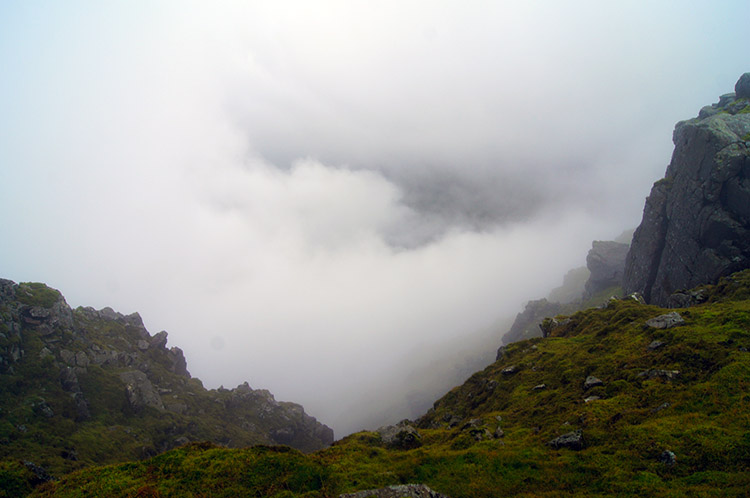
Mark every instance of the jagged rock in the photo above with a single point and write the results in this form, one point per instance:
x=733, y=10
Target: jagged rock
x=654, y=345
x=696, y=222
x=45, y=352
x=666, y=321
x=401, y=436
x=668, y=458
x=590, y=382
x=661, y=374
x=571, y=440
x=159, y=340
x=178, y=362
x=140, y=391
x=606, y=262
x=142, y=345
x=398, y=491
x=742, y=87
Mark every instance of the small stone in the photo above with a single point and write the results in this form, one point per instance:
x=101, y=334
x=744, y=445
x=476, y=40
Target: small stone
x=509, y=370
x=668, y=458
x=591, y=398
x=571, y=440
x=499, y=433
x=655, y=345
x=539, y=387
x=661, y=407
x=661, y=374
x=142, y=345
x=592, y=381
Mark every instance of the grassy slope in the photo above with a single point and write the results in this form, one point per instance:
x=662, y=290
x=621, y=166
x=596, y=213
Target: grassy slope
x=706, y=423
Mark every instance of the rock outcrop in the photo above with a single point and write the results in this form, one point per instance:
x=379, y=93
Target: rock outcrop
x=606, y=263
x=696, y=221
x=85, y=366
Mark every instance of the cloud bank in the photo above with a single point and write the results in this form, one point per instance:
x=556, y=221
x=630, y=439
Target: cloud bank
x=314, y=197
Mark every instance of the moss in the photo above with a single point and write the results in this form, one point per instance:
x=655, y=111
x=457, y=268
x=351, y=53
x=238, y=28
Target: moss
x=37, y=294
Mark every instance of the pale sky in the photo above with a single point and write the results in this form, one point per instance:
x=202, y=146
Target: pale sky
x=312, y=196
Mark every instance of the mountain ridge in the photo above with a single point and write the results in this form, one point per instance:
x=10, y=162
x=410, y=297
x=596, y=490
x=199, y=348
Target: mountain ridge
x=68, y=376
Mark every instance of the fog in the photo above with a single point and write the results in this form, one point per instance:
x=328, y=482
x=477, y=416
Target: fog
x=337, y=201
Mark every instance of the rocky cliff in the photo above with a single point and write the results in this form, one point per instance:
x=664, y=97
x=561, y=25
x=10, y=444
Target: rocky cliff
x=696, y=222
x=582, y=288
x=94, y=386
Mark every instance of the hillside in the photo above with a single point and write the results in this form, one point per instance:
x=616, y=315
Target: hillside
x=83, y=387
x=608, y=404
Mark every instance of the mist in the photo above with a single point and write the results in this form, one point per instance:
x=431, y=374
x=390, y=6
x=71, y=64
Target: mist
x=338, y=201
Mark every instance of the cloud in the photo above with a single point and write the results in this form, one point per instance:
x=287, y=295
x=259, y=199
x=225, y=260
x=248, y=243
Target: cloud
x=317, y=197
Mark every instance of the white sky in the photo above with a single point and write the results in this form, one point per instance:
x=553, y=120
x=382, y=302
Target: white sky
x=307, y=194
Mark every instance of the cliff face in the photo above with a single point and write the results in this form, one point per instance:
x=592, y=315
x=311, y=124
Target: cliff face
x=90, y=386
x=696, y=222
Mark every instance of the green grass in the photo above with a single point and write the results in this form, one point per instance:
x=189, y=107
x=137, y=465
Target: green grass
x=37, y=294
x=703, y=417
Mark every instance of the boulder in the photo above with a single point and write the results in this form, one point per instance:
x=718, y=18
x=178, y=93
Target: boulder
x=509, y=370
x=654, y=345
x=696, y=221
x=666, y=321
x=401, y=436
x=571, y=440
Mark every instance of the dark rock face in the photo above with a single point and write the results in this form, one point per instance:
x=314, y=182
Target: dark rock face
x=696, y=222
x=606, y=262
x=742, y=87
